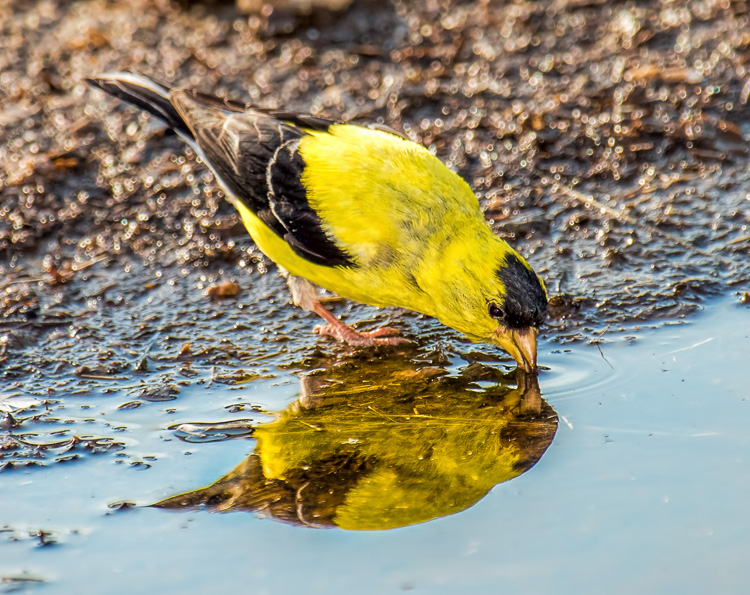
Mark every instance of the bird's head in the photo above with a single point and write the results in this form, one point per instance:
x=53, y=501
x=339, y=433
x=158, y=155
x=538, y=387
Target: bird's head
x=496, y=297
x=518, y=310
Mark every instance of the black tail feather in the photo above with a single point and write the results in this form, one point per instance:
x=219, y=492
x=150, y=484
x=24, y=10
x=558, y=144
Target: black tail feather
x=145, y=93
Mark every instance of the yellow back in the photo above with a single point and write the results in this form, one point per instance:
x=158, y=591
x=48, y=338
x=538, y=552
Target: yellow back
x=374, y=189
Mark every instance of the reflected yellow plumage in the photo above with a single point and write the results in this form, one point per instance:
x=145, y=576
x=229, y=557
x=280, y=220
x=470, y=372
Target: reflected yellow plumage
x=411, y=445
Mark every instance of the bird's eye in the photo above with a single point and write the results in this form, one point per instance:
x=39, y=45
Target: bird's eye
x=496, y=311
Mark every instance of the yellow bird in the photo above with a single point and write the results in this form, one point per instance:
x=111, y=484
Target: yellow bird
x=359, y=211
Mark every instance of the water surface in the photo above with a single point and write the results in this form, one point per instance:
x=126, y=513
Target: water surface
x=643, y=488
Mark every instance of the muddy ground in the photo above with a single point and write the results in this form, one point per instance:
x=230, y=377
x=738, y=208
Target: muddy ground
x=607, y=140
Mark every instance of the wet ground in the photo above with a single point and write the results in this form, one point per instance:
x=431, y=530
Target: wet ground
x=607, y=141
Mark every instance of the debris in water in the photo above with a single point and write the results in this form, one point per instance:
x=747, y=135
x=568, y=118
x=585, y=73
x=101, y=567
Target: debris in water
x=223, y=290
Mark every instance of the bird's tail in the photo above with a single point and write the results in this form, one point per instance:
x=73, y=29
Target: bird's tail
x=145, y=93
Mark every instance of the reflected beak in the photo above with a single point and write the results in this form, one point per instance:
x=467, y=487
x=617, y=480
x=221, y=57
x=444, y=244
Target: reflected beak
x=521, y=344
x=528, y=395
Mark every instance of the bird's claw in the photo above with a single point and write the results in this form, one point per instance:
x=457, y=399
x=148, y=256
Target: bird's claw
x=386, y=335
x=346, y=334
x=383, y=331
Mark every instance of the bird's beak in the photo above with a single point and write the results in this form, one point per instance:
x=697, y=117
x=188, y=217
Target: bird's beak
x=521, y=344
x=525, y=340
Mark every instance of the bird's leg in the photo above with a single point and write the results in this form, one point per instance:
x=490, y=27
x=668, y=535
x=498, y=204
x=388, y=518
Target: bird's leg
x=305, y=295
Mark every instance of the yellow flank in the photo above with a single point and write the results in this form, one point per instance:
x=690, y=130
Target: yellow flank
x=413, y=227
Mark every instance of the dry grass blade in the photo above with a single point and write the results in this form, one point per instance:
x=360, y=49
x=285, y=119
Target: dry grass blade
x=598, y=342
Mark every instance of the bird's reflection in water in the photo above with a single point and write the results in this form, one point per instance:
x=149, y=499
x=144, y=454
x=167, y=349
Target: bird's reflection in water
x=384, y=444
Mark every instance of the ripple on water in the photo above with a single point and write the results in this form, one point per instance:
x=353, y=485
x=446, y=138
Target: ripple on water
x=577, y=373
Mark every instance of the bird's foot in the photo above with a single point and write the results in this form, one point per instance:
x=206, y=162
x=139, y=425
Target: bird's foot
x=346, y=334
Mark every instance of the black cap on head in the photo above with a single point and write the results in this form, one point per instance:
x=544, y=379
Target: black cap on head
x=525, y=302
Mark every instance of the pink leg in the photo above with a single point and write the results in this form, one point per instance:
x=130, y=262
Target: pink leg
x=346, y=334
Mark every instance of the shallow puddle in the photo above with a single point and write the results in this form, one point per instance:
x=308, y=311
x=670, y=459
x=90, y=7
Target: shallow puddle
x=642, y=488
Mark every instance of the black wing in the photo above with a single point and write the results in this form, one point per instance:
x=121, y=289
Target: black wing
x=253, y=151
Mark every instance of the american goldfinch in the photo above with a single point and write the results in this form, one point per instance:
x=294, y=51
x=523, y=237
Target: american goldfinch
x=359, y=211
